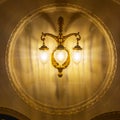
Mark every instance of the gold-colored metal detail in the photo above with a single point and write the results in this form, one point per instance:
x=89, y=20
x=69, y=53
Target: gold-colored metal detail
x=60, y=40
x=78, y=47
x=57, y=65
x=43, y=47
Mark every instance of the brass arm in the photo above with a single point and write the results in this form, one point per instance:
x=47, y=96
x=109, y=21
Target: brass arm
x=77, y=35
x=48, y=34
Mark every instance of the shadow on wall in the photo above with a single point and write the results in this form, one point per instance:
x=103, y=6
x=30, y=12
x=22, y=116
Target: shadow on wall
x=9, y=114
x=115, y=115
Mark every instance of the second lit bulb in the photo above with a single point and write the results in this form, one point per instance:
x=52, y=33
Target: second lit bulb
x=44, y=56
x=76, y=56
x=60, y=56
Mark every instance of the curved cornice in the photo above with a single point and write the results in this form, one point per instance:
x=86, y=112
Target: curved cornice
x=8, y=111
x=115, y=115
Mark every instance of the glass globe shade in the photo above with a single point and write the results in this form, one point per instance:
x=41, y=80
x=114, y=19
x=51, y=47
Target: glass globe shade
x=60, y=56
x=44, y=56
x=76, y=56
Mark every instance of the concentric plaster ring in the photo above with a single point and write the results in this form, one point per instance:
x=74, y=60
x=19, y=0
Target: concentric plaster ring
x=51, y=95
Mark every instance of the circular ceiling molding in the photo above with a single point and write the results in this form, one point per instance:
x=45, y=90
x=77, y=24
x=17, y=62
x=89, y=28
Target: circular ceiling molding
x=81, y=85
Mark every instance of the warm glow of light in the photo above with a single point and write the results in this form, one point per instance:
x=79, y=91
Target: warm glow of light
x=60, y=56
x=44, y=56
x=77, y=56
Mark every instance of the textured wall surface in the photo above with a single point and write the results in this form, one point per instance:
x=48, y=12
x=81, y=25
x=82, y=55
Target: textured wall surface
x=12, y=11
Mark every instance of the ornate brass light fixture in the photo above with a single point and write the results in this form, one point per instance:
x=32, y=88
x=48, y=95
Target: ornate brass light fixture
x=60, y=57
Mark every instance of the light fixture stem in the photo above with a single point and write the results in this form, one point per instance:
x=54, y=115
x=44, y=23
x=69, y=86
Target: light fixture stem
x=43, y=42
x=60, y=24
x=77, y=42
x=78, y=38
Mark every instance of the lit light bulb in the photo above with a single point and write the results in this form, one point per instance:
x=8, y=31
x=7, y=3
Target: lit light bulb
x=60, y=56
x=77, y=56
x=44, y=56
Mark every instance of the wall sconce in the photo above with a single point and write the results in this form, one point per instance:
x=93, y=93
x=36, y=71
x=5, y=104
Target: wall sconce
x=60, y=57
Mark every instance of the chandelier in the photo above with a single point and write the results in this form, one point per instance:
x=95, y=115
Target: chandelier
x=60, y=57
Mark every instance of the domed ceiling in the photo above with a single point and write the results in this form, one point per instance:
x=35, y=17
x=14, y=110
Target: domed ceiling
x=87, y=89
x=82, y=84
